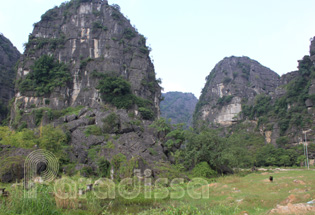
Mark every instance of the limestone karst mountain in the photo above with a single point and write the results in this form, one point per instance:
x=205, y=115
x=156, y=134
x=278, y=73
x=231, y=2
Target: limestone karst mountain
x=241, y=91
x=230, y=83
x=87, y=70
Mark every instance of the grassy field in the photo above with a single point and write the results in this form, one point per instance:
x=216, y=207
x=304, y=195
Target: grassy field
x=249, y=194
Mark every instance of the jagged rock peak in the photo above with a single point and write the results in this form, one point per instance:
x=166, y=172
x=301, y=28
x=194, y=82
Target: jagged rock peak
x=91, y=38
x=9, y=55
x=233, y=81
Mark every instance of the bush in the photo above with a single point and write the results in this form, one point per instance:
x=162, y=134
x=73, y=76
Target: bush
x=47, y=137
x=146, y=113
x=203, y=170
x=98, y=25
x=225, y=100
x=129, y=34
x=117, y=91
x=111, y=123
x=84, y=62
x=93, y=130
x=282, y=141
x=117, y=160
x=46, y=74
x=86, y=171
x=103, y=167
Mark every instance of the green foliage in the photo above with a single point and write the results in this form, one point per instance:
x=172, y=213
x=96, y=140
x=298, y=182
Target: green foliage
x=205, y=146
x=46, y=137
x=46, y=74
x=271, y=156
x=203, y=170
x=103, y=167
x=54, y=114
x=126, y=168
x=152, y=151
x=145, y=50
x=86, y=171
x=224, y=100
x=20, y=203
x=117, y=160
x=36, y=43
x=242, y=147
x=110, y=145
x=116, y=15
x=282, y=141
x=111, y=123
x=83, y=63
x=162, y=126
x=50, y=15
x=93, y=152
x=129, y=33
x=176, y=137
x=93, y=130
x=38, y=113
x=117, y=91
x=146, y=113
x=97, y=25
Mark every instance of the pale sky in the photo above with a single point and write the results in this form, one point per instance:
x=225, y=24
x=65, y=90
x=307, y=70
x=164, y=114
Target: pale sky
x=189, y=38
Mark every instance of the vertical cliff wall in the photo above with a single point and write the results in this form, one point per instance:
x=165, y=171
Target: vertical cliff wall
x=9, y=55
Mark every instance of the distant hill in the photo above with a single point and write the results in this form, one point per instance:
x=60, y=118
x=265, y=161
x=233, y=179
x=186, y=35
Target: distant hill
x=179, y=107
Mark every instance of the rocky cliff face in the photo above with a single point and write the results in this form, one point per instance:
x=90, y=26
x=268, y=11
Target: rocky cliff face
x=88, y=36
x=179, y=107
x=9, y=55
x=241, y=91
x=87, y=70
x=233, y=81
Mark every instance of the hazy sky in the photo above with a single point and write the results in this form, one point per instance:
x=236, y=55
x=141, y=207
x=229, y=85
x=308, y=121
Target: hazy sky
x=188, y=38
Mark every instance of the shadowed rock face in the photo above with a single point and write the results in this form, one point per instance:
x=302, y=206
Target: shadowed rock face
x=232, y=81
x=9, y=55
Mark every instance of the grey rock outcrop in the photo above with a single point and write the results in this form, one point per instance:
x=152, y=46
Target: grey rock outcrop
x=9, y=55
x=233, y=81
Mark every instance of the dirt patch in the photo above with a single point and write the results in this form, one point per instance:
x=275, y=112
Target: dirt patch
x=307, y=196
x=299, y=182
x=290, y=199
x=300, y=208
x=213, y=185
x=225, y=186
